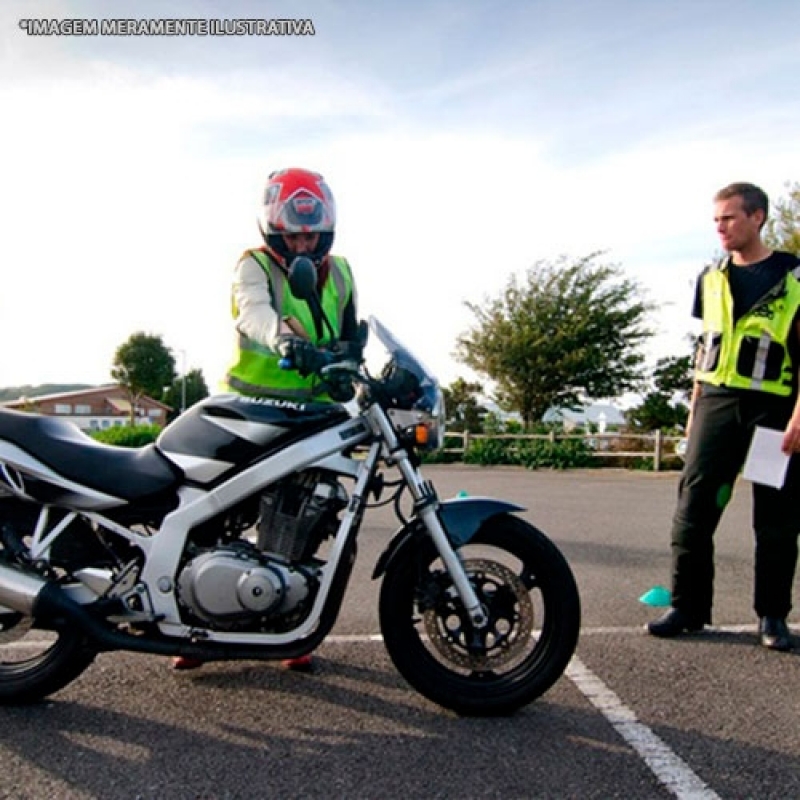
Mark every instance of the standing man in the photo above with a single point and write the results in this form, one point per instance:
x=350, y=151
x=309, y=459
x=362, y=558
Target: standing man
x=746, y=374
x=297, y=218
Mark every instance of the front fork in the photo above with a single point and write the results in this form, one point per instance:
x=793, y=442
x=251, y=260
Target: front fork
x=426, y=507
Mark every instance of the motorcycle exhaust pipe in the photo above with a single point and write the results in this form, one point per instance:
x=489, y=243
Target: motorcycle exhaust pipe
x=19, y=590
x=32, y=595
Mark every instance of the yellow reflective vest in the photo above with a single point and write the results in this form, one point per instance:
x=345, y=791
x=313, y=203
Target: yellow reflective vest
x=753, y=352
x=255, y=371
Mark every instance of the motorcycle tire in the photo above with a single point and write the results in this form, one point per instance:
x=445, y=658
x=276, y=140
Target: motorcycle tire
x=530, y=594
x=34, y=662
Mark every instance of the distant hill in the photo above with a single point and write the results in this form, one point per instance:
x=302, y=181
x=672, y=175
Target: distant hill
x=15, y=392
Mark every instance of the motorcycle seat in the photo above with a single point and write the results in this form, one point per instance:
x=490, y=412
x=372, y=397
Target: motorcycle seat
x=124, y=472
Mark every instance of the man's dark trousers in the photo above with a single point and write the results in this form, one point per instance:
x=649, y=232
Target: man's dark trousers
x=722, y=427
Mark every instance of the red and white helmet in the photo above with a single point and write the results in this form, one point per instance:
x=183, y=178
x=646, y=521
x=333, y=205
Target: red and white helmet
x=297, y=201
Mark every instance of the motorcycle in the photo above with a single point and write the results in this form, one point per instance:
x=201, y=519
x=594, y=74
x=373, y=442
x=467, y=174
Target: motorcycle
x=234, y=534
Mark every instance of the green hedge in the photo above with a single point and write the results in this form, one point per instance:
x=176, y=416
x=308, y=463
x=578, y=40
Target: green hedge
x=533, y=454
x=567, y=454
x=127, y=436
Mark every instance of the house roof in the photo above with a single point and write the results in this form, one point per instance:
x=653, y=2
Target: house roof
x=113, y=393
x=119, y=403
x=64, y=395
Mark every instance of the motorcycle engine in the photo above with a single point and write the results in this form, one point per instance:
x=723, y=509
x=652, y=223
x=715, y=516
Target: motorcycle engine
x=235, y=586
x=299, y=513
x=229, y=583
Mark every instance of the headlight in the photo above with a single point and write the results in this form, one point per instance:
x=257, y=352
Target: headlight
x=436, y=422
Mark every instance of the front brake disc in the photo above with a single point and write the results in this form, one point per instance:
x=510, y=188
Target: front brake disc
x=509, y=627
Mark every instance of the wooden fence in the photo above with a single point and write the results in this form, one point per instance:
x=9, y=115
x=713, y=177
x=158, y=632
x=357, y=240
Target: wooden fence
x=655, y=445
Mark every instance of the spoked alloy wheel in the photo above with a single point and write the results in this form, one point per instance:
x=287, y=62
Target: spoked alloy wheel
x=530, y=596
x=34, y=662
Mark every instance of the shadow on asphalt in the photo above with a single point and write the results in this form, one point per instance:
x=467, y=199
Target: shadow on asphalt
x=255, y=731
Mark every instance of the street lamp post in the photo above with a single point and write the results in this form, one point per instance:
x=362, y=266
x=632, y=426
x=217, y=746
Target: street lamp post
x=183, y=380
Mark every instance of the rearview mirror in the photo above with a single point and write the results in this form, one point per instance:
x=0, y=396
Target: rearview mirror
x=303, y=278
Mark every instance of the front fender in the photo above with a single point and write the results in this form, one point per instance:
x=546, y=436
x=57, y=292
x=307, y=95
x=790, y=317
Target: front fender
x=460, y=517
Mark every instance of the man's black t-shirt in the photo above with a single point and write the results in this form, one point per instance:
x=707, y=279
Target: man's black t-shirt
x=749, y=284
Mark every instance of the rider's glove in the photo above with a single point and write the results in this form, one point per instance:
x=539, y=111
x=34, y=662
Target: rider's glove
x=301, y=355
x=349, y=351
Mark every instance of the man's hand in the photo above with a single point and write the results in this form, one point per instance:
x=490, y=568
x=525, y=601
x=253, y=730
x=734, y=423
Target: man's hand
x=791, y=436
x=301, y=355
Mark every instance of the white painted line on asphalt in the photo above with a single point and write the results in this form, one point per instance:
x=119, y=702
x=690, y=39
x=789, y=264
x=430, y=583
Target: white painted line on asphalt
x=358, y=638
x=670, y=770
x=638, y=630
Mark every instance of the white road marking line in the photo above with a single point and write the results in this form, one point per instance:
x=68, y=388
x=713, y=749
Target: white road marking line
x=670, y=770
x=360, y=638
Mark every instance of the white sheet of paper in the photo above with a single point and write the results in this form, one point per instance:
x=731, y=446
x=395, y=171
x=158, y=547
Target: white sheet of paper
x=766, y=463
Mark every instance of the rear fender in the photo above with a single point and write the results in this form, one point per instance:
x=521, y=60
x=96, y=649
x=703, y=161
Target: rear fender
x=461, y=517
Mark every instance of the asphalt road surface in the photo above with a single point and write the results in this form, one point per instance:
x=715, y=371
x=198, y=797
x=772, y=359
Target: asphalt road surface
x=711, y=715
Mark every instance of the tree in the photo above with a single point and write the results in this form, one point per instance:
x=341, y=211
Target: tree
x=464, y=413
x=185, y=391
x=674, y=375
x=783, y=228
x=664, y=406
x=568, y=330
x=143, y=365
x=657, y=412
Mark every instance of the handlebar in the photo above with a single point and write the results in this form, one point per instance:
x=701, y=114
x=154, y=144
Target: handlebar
x=338, y=370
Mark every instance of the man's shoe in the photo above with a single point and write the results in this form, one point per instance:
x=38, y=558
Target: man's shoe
x=774, y=634
x=673, y=623
x=300, y=664
x=186, y=662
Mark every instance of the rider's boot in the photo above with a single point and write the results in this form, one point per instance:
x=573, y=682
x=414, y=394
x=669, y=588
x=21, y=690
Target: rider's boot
x=300, y=664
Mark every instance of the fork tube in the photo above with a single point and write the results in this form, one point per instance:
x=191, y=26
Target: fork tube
x=428, y=505
x=453, y=563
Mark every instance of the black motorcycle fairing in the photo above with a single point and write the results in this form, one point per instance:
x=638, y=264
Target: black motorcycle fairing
x=462, y=516
x=127, y=473
x=236, y=429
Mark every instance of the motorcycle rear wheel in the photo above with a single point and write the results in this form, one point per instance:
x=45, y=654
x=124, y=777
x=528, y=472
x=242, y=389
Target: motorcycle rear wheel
x=529, y=591
x=34, y=662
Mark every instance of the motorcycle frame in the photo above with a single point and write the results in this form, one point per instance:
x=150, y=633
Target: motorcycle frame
x=155, y=587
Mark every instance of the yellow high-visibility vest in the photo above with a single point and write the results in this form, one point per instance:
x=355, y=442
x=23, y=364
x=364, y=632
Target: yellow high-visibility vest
x=753, y=352
x=255, y=370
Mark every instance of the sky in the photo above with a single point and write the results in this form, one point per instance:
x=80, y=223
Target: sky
x=464, y=141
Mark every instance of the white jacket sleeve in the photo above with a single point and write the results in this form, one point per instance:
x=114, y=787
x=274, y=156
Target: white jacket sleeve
x=257, y=318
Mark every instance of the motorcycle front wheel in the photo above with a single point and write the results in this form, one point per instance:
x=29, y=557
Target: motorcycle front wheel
x=529, y=593
x=35, y=662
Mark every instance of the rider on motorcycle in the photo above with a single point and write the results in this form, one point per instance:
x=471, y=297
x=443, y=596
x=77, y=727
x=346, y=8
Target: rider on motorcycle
x=297, y=218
